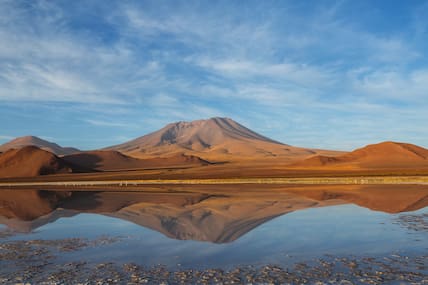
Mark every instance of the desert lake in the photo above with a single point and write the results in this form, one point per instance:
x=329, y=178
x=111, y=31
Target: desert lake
x=214, y=234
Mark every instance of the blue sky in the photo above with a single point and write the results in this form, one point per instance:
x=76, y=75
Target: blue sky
x=326, y=74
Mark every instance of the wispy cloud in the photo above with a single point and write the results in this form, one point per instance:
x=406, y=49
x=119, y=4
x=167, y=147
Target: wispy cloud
x=51, y=62
x=107, y=123
x=300, y=74
x=3, y=137
x=316, y=69
x=398, y=85
x=163, y=100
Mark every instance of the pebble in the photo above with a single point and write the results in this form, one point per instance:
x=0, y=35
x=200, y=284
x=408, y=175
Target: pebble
x=36, y=262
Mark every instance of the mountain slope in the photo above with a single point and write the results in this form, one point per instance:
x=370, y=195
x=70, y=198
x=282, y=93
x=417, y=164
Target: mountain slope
x=31, y=161
x=212, y=139
x=38, y=142
x=114, y=160
x=381, y=155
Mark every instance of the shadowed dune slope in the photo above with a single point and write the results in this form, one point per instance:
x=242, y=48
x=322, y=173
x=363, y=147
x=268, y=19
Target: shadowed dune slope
x=214, y=139
x=381, y=155
x=114, y=160
x=31, y=161
x=38, y=142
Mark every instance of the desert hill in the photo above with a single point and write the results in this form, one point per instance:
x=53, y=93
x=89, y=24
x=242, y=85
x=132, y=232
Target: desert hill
x=31, y=161
x=38, y=142
x=215, y=139
x=382, y=155
x=188, y=145
x=109, y=160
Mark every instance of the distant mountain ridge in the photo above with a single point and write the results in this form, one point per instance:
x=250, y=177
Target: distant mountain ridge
x=181, y=148
x=196, y=135
x=21, y=142
x=215, y=139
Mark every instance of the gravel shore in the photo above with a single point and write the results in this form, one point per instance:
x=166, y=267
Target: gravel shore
x=35, y=262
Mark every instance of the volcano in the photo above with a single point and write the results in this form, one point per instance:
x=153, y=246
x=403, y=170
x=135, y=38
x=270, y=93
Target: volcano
x=212, y=139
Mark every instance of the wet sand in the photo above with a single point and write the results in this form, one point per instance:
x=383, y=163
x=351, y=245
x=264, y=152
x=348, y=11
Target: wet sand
x=248, y=170
x=124, y=184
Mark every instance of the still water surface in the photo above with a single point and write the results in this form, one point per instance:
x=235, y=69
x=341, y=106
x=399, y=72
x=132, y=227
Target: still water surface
x=216, y=231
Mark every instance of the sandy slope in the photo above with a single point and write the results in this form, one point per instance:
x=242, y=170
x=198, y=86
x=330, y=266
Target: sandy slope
x=31, y=161
x=114, y=160
x=382, y=155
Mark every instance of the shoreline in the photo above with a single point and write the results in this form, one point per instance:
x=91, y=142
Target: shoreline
x=364, y=180
x=46, y=268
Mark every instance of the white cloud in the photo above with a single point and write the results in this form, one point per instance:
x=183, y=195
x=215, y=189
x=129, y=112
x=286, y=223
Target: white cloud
x=402, y=86
x=104, y=123
x=4, y=137
x=189, y=62
x=49, y=62
x=163, y=100
x=299, y=74
x=210, y=31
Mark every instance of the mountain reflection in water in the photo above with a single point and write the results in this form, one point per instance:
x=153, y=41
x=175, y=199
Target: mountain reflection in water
x=218, y=214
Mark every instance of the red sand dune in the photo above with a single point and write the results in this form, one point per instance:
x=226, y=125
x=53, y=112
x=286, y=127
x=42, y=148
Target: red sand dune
x=381, y=155
x=31, y=161
x=114, y=160
x=38, y=142
x=215, y=139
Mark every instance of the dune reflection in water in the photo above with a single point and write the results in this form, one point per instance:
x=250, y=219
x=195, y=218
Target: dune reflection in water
x=221, y=226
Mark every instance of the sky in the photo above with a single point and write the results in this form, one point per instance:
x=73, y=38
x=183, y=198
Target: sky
x=321, y=74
